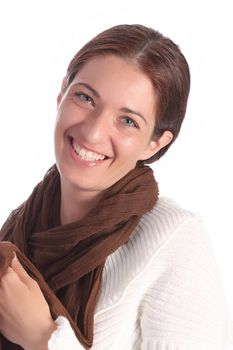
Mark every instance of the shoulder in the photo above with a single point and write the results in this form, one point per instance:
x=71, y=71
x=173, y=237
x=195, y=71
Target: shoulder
x=166, y=216
x=164, y=223
x=172, y=244
x=159, y=235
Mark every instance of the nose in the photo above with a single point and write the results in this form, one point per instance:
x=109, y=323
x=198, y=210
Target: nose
x=96, y=127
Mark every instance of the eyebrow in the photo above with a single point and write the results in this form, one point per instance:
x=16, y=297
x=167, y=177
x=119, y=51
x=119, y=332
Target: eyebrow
x=89, y=87
x=128, y=110
x=123, y=109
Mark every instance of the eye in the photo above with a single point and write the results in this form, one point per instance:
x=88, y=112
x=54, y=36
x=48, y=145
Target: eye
x=84, y=97
x=129, y=122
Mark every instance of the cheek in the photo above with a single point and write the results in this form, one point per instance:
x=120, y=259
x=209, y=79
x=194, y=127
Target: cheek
x=131, y=148
x=63, y=122
x=59, y=131
x=63, y=116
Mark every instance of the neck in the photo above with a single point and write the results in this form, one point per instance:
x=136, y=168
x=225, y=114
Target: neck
x=75, y=204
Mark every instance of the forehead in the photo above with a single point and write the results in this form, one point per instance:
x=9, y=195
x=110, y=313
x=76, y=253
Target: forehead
x=118, y=80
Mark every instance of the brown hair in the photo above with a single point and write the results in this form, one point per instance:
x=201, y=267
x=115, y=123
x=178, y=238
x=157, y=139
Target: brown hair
x=158, y=57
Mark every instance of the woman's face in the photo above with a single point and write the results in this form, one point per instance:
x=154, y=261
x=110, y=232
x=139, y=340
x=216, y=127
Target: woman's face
x=104, y=124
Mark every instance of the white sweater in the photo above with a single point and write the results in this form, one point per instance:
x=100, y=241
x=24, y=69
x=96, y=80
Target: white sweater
x=160, y=291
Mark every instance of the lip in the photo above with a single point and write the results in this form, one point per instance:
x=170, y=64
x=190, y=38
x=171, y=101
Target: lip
x=76, y=157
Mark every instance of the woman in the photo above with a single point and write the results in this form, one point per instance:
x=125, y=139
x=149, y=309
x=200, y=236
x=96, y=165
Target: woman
x=132, y=271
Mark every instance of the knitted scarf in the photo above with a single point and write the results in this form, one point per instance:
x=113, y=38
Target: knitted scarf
x=67, y=261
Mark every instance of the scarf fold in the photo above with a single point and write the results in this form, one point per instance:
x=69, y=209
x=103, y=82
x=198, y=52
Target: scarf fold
x=67, y=261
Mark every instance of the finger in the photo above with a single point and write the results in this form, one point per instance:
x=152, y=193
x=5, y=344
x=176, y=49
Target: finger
x=21, y=272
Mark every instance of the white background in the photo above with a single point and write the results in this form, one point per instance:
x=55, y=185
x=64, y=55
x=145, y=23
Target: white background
x=38, y=39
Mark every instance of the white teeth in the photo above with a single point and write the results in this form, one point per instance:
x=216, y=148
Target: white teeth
x=82, y=153
x=87, y=155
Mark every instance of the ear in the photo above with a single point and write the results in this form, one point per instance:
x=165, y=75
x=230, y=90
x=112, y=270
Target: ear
x=155, y=145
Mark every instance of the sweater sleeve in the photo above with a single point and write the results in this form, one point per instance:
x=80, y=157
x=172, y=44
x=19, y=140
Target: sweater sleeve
x=185, y=307
x=63, y=337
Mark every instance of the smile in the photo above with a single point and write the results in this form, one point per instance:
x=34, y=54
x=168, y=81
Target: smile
x=86, y=154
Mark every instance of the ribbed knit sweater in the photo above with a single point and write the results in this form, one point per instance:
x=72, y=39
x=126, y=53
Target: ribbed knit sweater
x=160, y=291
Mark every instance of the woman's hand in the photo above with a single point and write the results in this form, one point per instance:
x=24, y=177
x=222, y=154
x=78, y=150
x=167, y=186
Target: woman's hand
x=25, y=317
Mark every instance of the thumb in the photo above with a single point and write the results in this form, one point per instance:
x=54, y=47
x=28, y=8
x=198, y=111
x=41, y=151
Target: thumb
x=21, y=272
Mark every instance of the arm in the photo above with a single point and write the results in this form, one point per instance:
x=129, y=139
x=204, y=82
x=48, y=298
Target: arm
x=185, y=308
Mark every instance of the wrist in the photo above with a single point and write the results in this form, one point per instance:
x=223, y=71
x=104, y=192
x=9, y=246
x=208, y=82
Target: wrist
x=41, y=338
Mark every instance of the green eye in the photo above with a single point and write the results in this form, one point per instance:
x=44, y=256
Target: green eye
x=129, y=122
x=83, y=97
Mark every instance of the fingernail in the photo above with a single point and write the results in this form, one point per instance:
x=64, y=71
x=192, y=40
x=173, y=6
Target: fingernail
x=15, y=257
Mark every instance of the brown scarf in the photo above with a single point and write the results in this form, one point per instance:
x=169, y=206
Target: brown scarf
x=71, y=257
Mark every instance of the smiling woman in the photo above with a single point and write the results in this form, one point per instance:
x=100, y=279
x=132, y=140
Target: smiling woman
x=128, y=270
x=99, y=136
